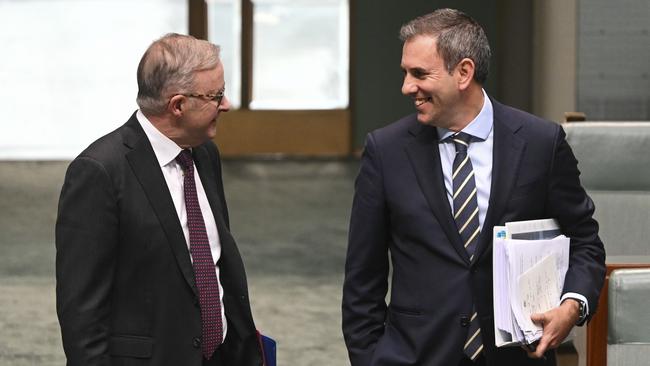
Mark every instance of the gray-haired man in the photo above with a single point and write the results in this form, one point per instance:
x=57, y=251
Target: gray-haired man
x=147, y=270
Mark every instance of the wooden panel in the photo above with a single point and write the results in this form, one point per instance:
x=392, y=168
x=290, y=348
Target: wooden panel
x=246, y=52
x=285, y=133
x=198, y=18
x=597, y=327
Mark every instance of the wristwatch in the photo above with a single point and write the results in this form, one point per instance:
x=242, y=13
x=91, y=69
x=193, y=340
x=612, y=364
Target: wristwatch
x=583, y=312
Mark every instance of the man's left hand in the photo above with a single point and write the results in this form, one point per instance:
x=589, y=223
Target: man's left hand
x=557, y=324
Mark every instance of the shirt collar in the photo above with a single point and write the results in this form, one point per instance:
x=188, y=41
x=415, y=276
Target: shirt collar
x=480, y=127
x=164, y=148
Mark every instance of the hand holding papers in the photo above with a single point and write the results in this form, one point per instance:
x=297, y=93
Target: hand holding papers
x=528, y=277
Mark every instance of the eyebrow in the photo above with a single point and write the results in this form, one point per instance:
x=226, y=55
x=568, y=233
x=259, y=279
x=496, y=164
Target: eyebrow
x=414, y=69
x=222, y=90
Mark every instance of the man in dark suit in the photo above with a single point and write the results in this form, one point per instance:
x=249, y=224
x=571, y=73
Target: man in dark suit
x=429, y=191
x=147, y=270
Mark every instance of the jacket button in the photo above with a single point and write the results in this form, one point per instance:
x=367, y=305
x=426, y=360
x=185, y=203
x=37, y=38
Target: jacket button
x=196, y=342
x=464, y=321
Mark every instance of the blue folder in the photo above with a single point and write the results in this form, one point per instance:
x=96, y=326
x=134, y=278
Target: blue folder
x=268, y=349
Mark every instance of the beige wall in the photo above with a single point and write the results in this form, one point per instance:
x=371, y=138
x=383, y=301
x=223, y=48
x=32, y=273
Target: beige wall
x=554, y=58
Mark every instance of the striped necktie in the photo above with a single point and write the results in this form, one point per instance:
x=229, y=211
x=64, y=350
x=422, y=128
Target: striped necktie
x=466, y=217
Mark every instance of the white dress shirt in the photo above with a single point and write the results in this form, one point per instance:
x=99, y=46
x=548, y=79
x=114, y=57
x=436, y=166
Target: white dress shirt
x=166, y=152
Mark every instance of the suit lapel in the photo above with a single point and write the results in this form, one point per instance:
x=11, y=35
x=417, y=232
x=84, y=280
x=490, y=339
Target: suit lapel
x=424, y=156
x=231, y=273
x=208, y=179
x=146, y=168
x=506, y=158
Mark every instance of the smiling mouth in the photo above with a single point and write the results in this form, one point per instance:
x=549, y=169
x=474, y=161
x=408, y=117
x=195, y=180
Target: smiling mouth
x=420, y=101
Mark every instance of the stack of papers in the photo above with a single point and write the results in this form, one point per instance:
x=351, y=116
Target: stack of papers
x=530, y=260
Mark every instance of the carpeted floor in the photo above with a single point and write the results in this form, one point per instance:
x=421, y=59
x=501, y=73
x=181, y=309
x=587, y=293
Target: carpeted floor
x=289, y=218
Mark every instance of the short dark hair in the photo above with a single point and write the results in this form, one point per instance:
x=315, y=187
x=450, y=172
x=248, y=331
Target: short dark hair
x=458, y=36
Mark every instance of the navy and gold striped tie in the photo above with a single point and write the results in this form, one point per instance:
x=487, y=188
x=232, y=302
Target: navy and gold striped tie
x=466, y=217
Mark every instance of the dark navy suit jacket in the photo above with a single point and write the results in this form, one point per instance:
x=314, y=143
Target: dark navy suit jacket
x=401, y=212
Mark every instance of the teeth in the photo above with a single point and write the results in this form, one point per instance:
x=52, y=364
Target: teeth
x=420, y=101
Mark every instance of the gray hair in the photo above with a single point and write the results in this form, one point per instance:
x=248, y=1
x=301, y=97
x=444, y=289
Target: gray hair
x=458, y=37
x=168, y=67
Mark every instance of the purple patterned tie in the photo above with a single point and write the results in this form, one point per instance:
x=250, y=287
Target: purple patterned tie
x=204, y=270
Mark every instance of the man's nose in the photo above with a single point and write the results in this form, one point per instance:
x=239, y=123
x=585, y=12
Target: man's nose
x=225, y=104
x=408, y=86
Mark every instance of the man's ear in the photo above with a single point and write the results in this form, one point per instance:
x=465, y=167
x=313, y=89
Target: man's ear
x=177, y=105
x=465, y=72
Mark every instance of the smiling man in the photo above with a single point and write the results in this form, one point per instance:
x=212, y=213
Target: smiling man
x=147, y=270
x=429, y=191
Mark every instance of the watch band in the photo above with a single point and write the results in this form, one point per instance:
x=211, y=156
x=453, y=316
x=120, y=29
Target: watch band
x=583, y=312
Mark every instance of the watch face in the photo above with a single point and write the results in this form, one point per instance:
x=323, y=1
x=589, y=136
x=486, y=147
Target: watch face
x=583, y=311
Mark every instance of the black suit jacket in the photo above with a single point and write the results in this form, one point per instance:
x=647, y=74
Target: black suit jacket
x=400, y=208
x=125, y=285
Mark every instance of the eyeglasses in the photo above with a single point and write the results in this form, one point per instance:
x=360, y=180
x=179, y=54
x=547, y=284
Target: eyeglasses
x=218, y=97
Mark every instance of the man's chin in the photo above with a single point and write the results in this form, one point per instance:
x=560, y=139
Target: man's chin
x=212, y=131
x=424, y=119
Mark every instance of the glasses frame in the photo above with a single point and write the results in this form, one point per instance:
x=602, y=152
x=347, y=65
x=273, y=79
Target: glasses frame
x=217, y=97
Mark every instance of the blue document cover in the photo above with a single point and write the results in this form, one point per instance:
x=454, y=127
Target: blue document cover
x=268, y=349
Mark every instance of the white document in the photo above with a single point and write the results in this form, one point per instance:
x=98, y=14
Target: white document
x=538, y=293
x=504, y=321
x=528, y=276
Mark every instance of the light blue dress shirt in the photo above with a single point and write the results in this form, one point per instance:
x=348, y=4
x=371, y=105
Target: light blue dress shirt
x=480, y=154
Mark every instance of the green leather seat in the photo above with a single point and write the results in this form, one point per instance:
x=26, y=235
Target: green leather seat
x=614, y=161
x=628, y=341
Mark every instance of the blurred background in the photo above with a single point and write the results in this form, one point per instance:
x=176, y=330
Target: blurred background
x=308, y=80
